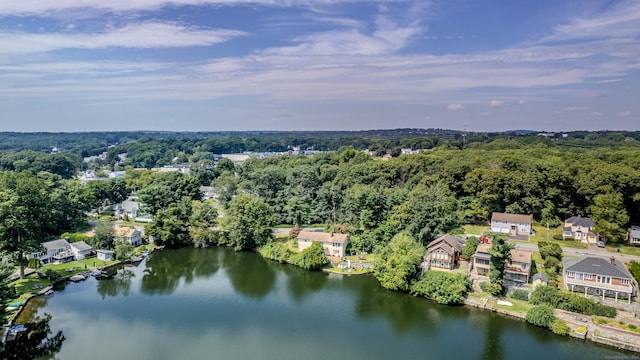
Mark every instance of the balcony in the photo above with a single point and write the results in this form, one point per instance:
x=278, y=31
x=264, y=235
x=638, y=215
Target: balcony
x=597, y=285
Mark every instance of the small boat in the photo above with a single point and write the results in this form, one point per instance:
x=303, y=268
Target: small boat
x=18, y=328
x=16, y=304
x=96, y=274
x=76, y=278
x=11, y=308
x=48, y=292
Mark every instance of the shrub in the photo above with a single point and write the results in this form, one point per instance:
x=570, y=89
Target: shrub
x=576, y=303
x=557, y=237
x=581, y=329
x=541, y=315
x=549, y=250
x=546, y=295
x=599, y=320
x=469, y=247
x=559, y=327
x=604, y=310
x=485, y=286
x=311, y=258
x=51, y=275
x=275, y=251
x=632, y=327
x=444, y=288
x=552, y=264
x=520, y=294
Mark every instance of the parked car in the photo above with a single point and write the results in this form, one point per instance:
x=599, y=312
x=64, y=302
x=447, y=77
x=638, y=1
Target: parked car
x=601, y=243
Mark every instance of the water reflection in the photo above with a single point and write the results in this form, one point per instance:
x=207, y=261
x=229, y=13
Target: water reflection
x=118, y=285
x=301, y=283
x=36, y=343
x=250, y=274
x=493, y=349
x=165, y=269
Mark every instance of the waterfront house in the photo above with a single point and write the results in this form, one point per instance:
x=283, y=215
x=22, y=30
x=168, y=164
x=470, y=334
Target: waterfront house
x=131, y=235
x=105, y=255
x=443, y=253
x=81, y=250
x=54, y=251
x=579, y=228
x=335, y=245
x=518, y=268
x=515, y=225
x=597, y=276
x=633, y=236
x=481, y=260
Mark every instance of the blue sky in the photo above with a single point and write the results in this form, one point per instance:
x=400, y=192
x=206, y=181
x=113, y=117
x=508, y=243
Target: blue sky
x=70, y=65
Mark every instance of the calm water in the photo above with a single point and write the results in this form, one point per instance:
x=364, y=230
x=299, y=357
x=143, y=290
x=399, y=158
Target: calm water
x=218, y=304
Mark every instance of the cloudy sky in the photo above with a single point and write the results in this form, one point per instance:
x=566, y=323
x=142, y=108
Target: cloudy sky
x=71, y=65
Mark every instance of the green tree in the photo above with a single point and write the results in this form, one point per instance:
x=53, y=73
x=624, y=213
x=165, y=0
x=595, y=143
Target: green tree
x=123, y=249
x=541, y=315
x=104, y=235
x=397, y=262
x=24, y=216
x=609, y=215
x=500, y=252
x=226, y=186
x=469, y=247
x=311, y=258
x=202, y=220
x=171, y=226
x=248, y=222
x=6, y=295
x=443, y=287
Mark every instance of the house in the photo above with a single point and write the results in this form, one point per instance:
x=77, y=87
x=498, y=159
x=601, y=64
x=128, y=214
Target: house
x=335, y=245
x=105, y=255
x=633, y=236
x=517, y=269
x=539, y=279
x=81, y=250
x=597, y=276
x=55, y=251
x=131, y=235
x=443, y=253
x=513, y=224
x=481, y=260
x=129, y=207
x=579, y=228
x=207, y=192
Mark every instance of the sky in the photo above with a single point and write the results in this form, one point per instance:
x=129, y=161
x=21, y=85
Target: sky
x=210, y=65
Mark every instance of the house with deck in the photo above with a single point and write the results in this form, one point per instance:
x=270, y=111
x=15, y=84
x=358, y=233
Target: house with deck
x=517, y=270
x=54, y=251
x=105, y=255
x=598, y=276
x=335, y=245
x=515, y=225
x=443, y=253
x=579, y=228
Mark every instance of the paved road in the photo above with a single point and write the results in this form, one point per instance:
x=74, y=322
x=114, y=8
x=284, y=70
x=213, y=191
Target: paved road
x=591, y=251
x=280, y=231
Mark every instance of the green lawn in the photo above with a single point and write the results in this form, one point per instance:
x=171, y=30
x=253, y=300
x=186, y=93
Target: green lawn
x=369, y=258
x=624, y=249
x=518, y=305
x=475, y=229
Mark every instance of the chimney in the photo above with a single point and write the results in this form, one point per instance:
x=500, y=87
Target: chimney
x=613, y=261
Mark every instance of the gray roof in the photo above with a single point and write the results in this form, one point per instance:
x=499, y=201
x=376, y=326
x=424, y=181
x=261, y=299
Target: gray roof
x=448, y=242
x=541, y=276
x=580, y=221
x=635, y=231
x=599, y=266
x=56, y=244
x=130, y=205
x=81, y=246
x=106, y=251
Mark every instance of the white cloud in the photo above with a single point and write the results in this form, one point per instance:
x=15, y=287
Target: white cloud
x=496, y=103
x=624, y=113
x=455, y=107
x=575, y=108
x=139, y=35
x=596, y=113
x=40, y=7
x=619, y=20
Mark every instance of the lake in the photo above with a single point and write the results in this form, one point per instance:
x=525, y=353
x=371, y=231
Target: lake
x=218, y=304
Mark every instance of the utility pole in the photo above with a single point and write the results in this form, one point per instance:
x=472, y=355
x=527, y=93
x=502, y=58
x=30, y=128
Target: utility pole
x=464, y=136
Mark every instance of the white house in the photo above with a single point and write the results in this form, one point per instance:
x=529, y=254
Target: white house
x=634, y=235
x=334, y=245
x=81, y=250
x=579, y=228
x=512, y=224
x=55, y=251
x=133, y=236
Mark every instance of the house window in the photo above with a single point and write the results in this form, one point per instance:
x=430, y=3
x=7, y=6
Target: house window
x=603, y=279
x=588, y=276
x=625, y=281
x=571, y=273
